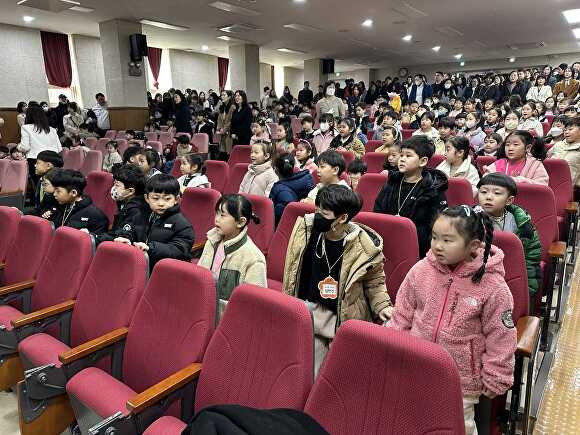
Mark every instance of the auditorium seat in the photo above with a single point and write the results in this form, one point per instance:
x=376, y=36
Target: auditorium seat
x=546, y=127
x=151, y=136
x=374, y=162
x=376, y=380
x=483, y=161
x=111, y=134
x=235, y=177
x=372, y=145
x=170, y=330
x=13, y=183
x=102, y=146
x=156, y=145
x=239, y=154
x=369, y=187
x=122, y=146
x=93, y=161
x=261, y=234
x=561, y=184
x=99, y=186
x=198, y=206
x=109, y=294
x=217, y=173
x=370, y=135
x=176, y=168
x=348, y=157
x=179, y=133
x=120, y=135
x=459, y=192
x=91, y=142
x=165, y=138
x=276, y=330
x=74, y=159
x=10, y=218
x=407, y=133
x=435, y=160
x=201, y=142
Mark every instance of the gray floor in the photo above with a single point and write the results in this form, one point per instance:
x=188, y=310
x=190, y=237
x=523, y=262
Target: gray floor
x=8, y=414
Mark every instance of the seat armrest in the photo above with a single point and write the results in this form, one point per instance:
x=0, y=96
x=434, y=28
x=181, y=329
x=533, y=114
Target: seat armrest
x=528, y=329
x=163, y=388
x=557, y=249
x=19, y=286
x=198, y=246
x=13, y=192
x=2, y=266
x=43, y=314
x=571, y=207
x=93, y=346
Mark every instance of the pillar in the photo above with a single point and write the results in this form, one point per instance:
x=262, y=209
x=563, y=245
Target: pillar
x=313, y=73
x=245, y=69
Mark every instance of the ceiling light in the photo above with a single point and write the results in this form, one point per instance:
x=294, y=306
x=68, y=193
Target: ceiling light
x=223, y=6
x=337, y=74
x=289, y=50
x=27, y=19
x=458, y=56
x=72, y=2
x=436, y=48
x=576, y=32
x=301, y=28
x=461, y=63
x=163, y=25
x=407, y=38
x=81, y=9
x=512, y=59
x=21, y=1
x=224, y=38
x=572, y=16
x=299, y=1
x=367, y=23
x=204, y=47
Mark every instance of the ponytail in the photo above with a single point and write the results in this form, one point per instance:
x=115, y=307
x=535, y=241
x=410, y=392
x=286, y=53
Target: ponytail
x=487, y=228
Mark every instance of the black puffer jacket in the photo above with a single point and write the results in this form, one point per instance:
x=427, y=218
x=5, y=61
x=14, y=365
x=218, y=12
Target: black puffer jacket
x=82, y=214
x=130, y=221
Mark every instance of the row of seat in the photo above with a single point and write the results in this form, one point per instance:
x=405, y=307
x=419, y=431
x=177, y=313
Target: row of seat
x=13, y=179
x=200, y=140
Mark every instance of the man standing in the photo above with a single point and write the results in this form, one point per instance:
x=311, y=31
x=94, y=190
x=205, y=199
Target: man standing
x=61, y=110
x=265, y=98
x=438, y=84
x=102, y=112
x=305, y=96
x=420, y=91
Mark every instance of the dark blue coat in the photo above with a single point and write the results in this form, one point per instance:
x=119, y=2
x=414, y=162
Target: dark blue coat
x=291, y=189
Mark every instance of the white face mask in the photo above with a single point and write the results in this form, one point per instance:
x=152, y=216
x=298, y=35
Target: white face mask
x=510, y=124
x=330, y=91
x=470, y=124
x=447, y=85
x=324, y=126
x=555, y=131
x=116, y=194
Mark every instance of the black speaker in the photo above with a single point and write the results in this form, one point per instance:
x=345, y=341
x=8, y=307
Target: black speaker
x=327, y=66
x=138, y=47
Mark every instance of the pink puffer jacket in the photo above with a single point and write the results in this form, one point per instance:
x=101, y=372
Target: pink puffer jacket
x=471, y=321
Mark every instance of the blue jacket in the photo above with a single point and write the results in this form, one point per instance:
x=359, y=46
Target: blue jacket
x=427, y=93
x=291, y=189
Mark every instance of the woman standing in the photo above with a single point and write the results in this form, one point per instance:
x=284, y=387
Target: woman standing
x=241, y=119
x=286, y=96
x=330, y=103
x=540, y=91
x=21, y=109
x=182, y=114
x=224, y=121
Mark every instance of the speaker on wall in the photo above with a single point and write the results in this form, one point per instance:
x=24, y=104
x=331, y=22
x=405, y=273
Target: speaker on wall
x=327, y=66
x=138, y=47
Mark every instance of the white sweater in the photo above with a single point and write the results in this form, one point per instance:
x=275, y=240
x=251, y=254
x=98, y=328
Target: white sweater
x=32, y=142
x=465, y=170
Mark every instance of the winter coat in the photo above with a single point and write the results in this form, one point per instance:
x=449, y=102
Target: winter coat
x=353, y=144
x=570, y=90
x=539, y=93
x=183, y=118
x=466, y=170
x=532, y=172
x=473, y=322
x=130, y=222
x=362, y=293
x=570, y=153
x=322, y=141
x=332, y=105
x=47, y=203
x=421, y=208
x=289, y=190
x=84, y=214
x=532, y=124
x=475, y=137
x=241, y=123
x=259, y=179
x=224, y=122
x=490, y=92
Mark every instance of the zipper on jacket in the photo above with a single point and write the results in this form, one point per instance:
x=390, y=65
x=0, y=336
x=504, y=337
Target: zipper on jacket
x=441, y=311
x=471, y=358
x=452, y=309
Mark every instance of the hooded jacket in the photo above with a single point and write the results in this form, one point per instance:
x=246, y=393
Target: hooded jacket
x=533, y=171
x=466, y=170
x=259, y=179
x=473, y=322
x=130, y=222
x=362, y=293
x=80, y=215
x=427, y=200
x=291, y=189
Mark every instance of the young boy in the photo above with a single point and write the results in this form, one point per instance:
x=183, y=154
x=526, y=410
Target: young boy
x=307, y=132
x=446, y=130
x=112, y=157
x=336, y=267
x=203, y=126
x=331, y=165
x=43, y=201
x=389, y=119
x=183, y=146
x=16, y=154
x=147, y=160
x=168, y=234
x=76, y=210
x=416, y=191
x=496, y=195
x=569, y=148
x=355, y=171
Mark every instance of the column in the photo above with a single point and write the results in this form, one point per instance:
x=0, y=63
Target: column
x=245, y=69
x=313, y=73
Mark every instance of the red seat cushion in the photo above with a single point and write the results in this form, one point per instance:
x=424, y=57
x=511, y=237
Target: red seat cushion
x=100, y=392
x=8, y=313
x=166, y=426
x=274, y=285
x=42, y=349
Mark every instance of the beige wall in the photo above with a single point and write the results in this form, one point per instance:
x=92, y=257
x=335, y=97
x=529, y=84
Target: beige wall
x=89, y=59
x=294, y=79
x=265, y=76
x=193, y=70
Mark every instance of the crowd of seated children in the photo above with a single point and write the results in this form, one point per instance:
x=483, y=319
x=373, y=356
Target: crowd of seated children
x=306, y=155
x=331, y=165
x=229, y=252
x=44, y=200
x=390, y=137
x=307, y=132
x=389, y=119
x=259, y=131
x=458, y=162
x=325, y=133
x=325, y=256
x=192, y=172
x=356, y=169
x=491, y=144
x=260, y=176
x=415, y=191
x=284, y=139
x=112, y=157
x=569, y=148
x=347, y=139
x=291, y=186
x=463, y=278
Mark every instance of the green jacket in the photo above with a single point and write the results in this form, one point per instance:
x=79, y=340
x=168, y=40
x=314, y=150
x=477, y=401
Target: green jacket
x=527, y=233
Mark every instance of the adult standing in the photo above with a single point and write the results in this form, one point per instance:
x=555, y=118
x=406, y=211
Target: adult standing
x=224, y=122
x=540, y=91
x=182, y=114
x=420, y=90
x=488, y=90
x=513, y=87
x=101, y=111
x=241, y=119
x=286, y=96
x=305, y=96
x=472, y=90
x=264, y=99
x=569, y=86
x=523, y=78
x=61, y=110
x=438, y=83
x=330, y=103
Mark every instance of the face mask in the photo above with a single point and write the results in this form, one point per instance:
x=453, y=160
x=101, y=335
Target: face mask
x=447, y=85
x=324, y=126
x=45, y=108
x=470, y=124
x=116, y=194
x=442, y=112
x=330, y=92
x=428, y=103
x=555, y=131
x=511, y=124
x=321, y=224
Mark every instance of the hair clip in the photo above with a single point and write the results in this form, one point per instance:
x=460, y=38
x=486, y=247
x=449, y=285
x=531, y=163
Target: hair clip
x=467, y=210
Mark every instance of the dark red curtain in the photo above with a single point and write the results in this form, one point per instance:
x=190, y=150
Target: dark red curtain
x=154, y=57
x=223, y=65
x=56, y=58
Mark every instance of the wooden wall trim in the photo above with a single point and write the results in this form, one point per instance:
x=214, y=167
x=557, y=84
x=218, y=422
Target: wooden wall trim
x=11, y=130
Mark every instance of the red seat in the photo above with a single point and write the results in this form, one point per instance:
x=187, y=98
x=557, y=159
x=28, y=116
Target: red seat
x=165, y=138
x=435, y=160
x=372, y=145
x=399, y=389
x=561, y=184
x=550, y=119
x=235, y=177
x=400, y=246
x=374, y=161
x=546, y=127
x=179, y=133
x=177, y=316
x=369, y=187
x=201, y=141
x=99, y=185
x=151, y=136
x=296, y=125
x=120, y=134
x=10, y=218
x=102, y=146
x=483, y=161
x=407, y=133
x=123, y=145
x=370, y=135
x=111, y=134
x=459, y=192
x=91, y=142
x=13, y=183
x=198, y=206
x=217, y=173
x=261, y=234
x=156, y=145
x=348, y=157
x=176, y=168
x=74, y=159
x=239, y=154
x=93, y=161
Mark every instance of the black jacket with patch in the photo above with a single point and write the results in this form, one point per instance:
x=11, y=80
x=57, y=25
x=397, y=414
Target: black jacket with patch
x=47, y=203
x=130, y=221
x=82, y=214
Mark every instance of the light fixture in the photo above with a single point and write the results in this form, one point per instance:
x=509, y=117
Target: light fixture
x=299, y=1
x=337, y=74
x=224, y=38
x=162, y=25
x=204, y=48
x=72, y=2
x=461, y=63
x=21, y=2
x=512, y=59
x=576, y=32
x=289, y=50
x=572, y=16
x=367, y=23
x=436, y=48
x=458, y=56
x=407, y=38
x=28, y=19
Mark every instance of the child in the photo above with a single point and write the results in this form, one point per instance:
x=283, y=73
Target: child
x=16, y=154
x=492, y=120
x=305, y=156
x=259, y=132
x=147, y=160
x=569, y=149
x=130, y=155
x=203, y=125
x=362, y=121
x=556, y=133
x=416, y=191
x=458, y=163
x=76, y=210
x=112, y=157
x=169, y=234
x=491, y=144
x=392, y=159
x=44, y=200
x=260, y=176
x=4, y=152
x=183, y=146
x=460, y=120
x=457, y=297
x=427, y=129
x=325, y=134
x=336, y=267
x=307, y=132
x=229, y=252
x=389, y=119
x=457, y=107
x=520, y=156
x=284, y=137
x=191, y=170
x=331, y=165
x=355, y=171
x=446, y=130
x=550, y=106
x=496, y=195
x=473, y=131
x=391, y=136
x=529, y=120
x=510, y=124
x=347, y=140
x=291, y=187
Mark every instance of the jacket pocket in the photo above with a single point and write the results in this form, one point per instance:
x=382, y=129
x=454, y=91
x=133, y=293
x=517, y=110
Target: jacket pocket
x=228, y=280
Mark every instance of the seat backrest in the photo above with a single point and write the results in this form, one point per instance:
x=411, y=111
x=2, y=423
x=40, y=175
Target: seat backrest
x=407, y=133
x=239, y=154
x=372, y=145
x=15, y=176
x=28, y=249
x=175, y=318
x=261, y=234
x=201, y=141
x=374, y=162
x=91, y=142
x=74, y=159
x=93, y=162
x=156, y=145
x=435, y=160
x=348, y=157
x=401, y=386
x=176, y=168
x=99, y=185
x=545, y=127
x=111, y=134
x=482, y=161
x=151, y=135
x=102, y=146
x=10, y=218
x=369, y=187
x=217, y=173
x=560, y=182
x=296, y=124
x=3, y=168
x=370, y=135
x=261, y=354
x=182, y=133
x=400, y=246
x=198, y=205
x=235, y=177
x=459, y=192
x=122, y=146
x=516, y=275
x=279, y=243
x=63, y=269
x=110, y=292
x=165, y=138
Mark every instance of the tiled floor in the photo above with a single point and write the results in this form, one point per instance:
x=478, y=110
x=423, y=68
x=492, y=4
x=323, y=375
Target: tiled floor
x=8, y=414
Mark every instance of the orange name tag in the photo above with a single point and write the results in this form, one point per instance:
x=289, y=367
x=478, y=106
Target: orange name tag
x=328, y=288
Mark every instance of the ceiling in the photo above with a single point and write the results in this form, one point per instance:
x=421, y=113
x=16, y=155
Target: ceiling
x=479, y=30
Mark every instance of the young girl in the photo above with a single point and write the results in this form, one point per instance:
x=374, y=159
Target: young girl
x=191, y=170
x=556, y=133
x=530, y=121
x=457, y=107
x=492, y=120
x=510, y=124
x=325, y=133
x=284, y=137
x=112, y=157
x=541, y=110
x=260, y=176
x=458, y=163
x=259, y=131
x=391, y=136
x=229, y=252
x=305, y=156
x=472, y=130
x=550, y=106
x=347, y=140
x=490, y=145
x=427, y=129
x=520, y=157
x=457, y=297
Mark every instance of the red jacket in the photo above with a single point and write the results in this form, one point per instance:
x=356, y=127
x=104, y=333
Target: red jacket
x=471, y=321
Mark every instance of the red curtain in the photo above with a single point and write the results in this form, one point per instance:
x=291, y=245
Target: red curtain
x=223, y=65
x=56, y=58
x=154, y=58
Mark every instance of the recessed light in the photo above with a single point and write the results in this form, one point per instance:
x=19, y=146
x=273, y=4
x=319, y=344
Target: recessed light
x=163, y=25
x=337, y=74
x=21, y=2
x=512, y=59
x=407, y=38
x=224, y=38
x=367, y=23
x=204, y=47
x=72, y=2
x=27, y=19
x=572, y=16
x=458, y=56
x=289, y=50
x=299, y=1
x=436, y=48
x=576, y=32
x=461, y=63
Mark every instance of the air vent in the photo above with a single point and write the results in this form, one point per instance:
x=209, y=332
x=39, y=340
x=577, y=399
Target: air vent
x=240, y=28
x=47, y=5
x=227, y=7
x=302, y=28
x=526, y=46
x=448, y=31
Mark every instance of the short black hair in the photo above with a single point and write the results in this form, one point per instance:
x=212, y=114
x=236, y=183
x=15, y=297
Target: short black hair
x=130, y=176
x=421, y=144
x=460, y=143
x=50, y=157
x=334, y=159
x=130, y=152
x=339, y=199
x=70, y=179
x=447, y=122
x=163, y=183
x=307, y=119
x=151, y=155
x=113, y=143
x=183, y=139
x=100, y=94
x=461, y=115
x=284, y=165
x=572, y=122
x=357, y=166
x=131, y=132
x=501, y=180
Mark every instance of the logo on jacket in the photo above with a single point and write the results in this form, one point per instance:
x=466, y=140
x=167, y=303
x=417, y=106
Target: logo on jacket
x=507, y=320
x=84, y=219
x=126, y=227
x=168, y=226
x=470, y=300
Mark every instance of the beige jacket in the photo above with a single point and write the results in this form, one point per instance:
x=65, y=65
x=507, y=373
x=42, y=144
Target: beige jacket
x=465, y=170
x=224, y=122
x=570, y=153
x=362, y=293
x=259, y=180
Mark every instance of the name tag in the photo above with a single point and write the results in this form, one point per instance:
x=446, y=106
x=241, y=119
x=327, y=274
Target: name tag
x=168, y=226
x=84, y=219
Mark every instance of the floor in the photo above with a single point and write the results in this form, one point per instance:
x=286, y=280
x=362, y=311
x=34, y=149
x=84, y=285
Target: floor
x=8, y=414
